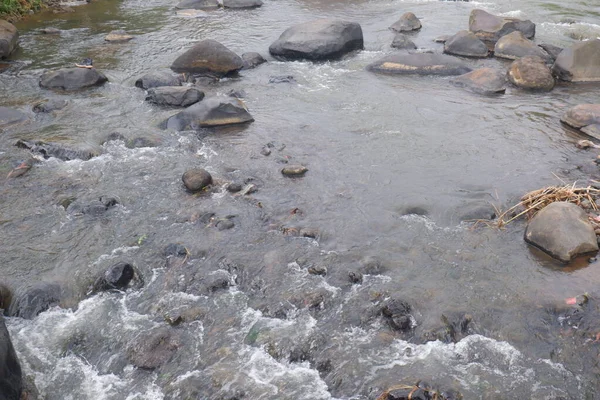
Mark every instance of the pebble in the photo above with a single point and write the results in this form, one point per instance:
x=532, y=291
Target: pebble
x=294, y=170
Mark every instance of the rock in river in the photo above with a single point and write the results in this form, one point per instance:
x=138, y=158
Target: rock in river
x=47, y=106
x=10, y=116
x=421, y=64
x=407, y=22
x=72, y=78
x=403, y=43
x=150, y=350
x=8, y=38
x=10, y=368
x=580, y=63
x=116, y=277
x=585, y=117
x=242, y=3
x=119, y=36
x=208, y=57
x=516, y=45
x=562, y=230
x=252, y=60
x=294, y=170
x=29, y=301
x=323, y=39
x=483, y=81
x=490, y=28
x=157, y=79
x=55, y=150
x=531, y=73
x=198, y=4
x=467, y=44
x=213, y=111
x=180, y=96
x=196, y=179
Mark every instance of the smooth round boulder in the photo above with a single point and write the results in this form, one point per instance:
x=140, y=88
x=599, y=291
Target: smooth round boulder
x=485, y=81
x=157, y=79
x=208, y=57
x=196, y=179
x=323, y=39
x=515, y=45
x=403, y=43
x=466, y=44
x=419, y=64
x=579, y=63
x=30, y=301
x=239, y=4
x=531, y=73
x=150, y=350
x=252, y=60
x=582, y=115
x=408, y=22
x=9, y=116
x=72, y=78
x=178, y=96
x=210, y=112
x=490, y=28
x=562, y=230
x=8, y=38
x=11, y=378
x=198, y=4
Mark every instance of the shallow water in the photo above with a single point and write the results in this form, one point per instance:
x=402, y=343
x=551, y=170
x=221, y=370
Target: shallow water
x=377, y=148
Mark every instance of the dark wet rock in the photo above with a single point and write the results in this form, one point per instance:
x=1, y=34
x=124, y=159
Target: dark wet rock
x=224, y=224
x=205, y=81
x=175, y=250
x=50, y=31
x=419, y=391
x=30, y=301
x=553, y=51
x=55, y=150
x=158, y=79
x=355, y=277
x=116, y=277
x=490, y=28
x=531, y=73
x=398, y=314
x=442, y=39
x=583, y=116
x=483, y=81
x=48, y=106
x=252, y=60
x=294, y=170
x=196, y=179
x=212, y=111
x=371, y=266
x=466, y=44
x=234, y=187
x=408, y=22
x=208, y=57
x=323, y=39
x=420, y=64
x=5, y=297
x=476, y=210
x=516, y=45
x=309, y=233
x=119, y=36
x=217, y=280
x=140, y=141
x=317, y=270
x=94, y=208
x=9, y=116
x=10, y=368
x=579, y=63
x=455, y=327
x=72, y=78
x=114, y=137
x=237, y=93
x=402, y=42
x=282, y=79
x=8, y=38
x=150, y=350
x=198, y=4
x=242, y=3
x=562, y=230
x=180, y=96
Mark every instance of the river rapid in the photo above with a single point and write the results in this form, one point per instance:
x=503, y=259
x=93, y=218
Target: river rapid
x=395, y=166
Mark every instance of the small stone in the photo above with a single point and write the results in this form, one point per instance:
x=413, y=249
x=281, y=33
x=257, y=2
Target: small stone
x=234, y=187
x=294, y=170
x=403, y=43
x=355, y=277
x=266, y=151
x=224, y=224
x=317, y=270
x=309, y=233
x=118, y=36
x=196, y=179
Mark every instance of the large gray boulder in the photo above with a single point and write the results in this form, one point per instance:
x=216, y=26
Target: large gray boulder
x=419, y=64
x=242, y=3
x=197, y=4
x=466, y=44
x=10, y=368
x=490, y=28
x=8, y=38
x=580, y=63
x=72, y=78
x=9, y=116
x=213, y=111
x=531, y=73
x=323, y=39
x=562, y=230
x=486, y=81
x=516, y=45
x=408, y=22
x=157, y=79
x=208, y=57
x=179, y=96
x=582, y=115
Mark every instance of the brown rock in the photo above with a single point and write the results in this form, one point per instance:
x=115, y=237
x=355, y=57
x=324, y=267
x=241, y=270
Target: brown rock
x=531, y=73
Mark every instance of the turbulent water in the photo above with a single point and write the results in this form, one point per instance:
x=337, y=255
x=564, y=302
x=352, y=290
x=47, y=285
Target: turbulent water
x=395, y=164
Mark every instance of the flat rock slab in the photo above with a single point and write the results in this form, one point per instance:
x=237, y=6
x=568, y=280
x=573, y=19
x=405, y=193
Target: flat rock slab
x=486, y=81
x=419, y=64
x=408, y=22
x=531, y=73
x=157, y=79
x=515, y=45
x=466, y=44
x=8, y=38
x=582, y=115
x=210, y=112
x=490, y=28
x=562, y=230
x=208, y=57
x=9, y=116
x=580, y=63
x=242, y=3
x=179, y=96
x=323, y=39
x=198, y=4
x=72, y=78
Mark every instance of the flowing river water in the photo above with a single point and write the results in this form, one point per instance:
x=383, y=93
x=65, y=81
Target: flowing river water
x=395, y=165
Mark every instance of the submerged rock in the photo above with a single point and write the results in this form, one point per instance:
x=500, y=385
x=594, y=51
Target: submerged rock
x=116, y=277
x=323, y=39
x=516, y=45
x=94, y=208
x=408, y=22
x=402, y=42
x=213, y=111
x=421, y=64
x=490, y=28
x=531, y=73
x=208, y=57
x=398, y=314
x=11, y=379
x=582, y=115
x=72, y=78
x=242, y=3
x=466, y=44
x=48, y=106
x=252, y=60
x=562, y=230
x=198, y=4
x=150, y=350
x=196, y=179
x=30, y=301
x=580, y=63
x=118, y=37
x=158, y=79
x=55, y=150
x=8, y=38
x=9, y=116
x=483, y=81
x=180, y=96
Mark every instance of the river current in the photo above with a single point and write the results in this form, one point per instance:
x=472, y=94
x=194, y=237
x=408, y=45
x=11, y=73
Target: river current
x=397, y=168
